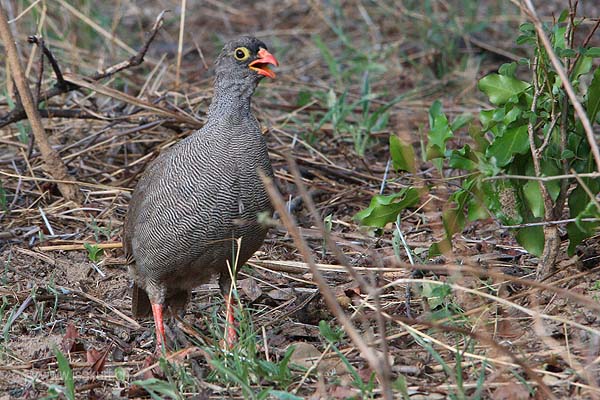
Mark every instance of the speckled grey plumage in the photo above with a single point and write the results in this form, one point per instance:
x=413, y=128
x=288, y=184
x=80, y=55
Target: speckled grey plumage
x=197, y=198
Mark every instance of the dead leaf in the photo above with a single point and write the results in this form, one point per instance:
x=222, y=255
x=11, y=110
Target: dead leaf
x=68, y=340
x=343, y=392
x=250, y=288
x=281, y=294
x=305, y=354
x=97, y=359
x=365, y=374
x=511, y=391
x=344, y=300
x=509, y=329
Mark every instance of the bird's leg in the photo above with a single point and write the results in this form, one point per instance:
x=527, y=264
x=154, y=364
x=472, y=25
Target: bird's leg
x=157, y=313
x=231, y=335
x=225, y=284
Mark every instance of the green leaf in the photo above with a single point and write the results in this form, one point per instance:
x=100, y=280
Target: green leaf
x=454, y=221
x=513, y=141
x=400, y=386
x=532, y=239
x=385, y=209
x=500, y=88
x=66, y=373
x=527, y=27
x=486, y=117
x=569, y=53
x=434, y=111
x=284, y=395
x=439, y=132
x=332, y=64
x=439, y=248
x=463, y=159
x=581, y=206
x=461, y=121
x=304, y=97
x=559, y=37
x=567, y=154
x=332, y=335
x=158, y=389
x=550, y=167
x=533, y=197
x=435, y=294
x=593, y=97
x=403, y=155
x=593, y=52
x=583, y=66
x=563, y=16
x=576, y=236
x=476, y=209
x=508, y=69
x=512, y=115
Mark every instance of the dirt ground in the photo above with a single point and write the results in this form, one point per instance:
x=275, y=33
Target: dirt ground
x=57, y=297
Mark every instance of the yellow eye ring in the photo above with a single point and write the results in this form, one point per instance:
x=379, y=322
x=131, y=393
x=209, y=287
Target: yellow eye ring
x=241, y=54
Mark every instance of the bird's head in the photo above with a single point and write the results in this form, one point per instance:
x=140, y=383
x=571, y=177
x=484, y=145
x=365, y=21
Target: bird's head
x=245, y=59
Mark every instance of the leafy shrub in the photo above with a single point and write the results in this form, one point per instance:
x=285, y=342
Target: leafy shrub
x=529, y=136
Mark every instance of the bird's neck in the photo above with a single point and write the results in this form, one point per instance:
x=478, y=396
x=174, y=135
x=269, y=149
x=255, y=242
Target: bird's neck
x=231, y=99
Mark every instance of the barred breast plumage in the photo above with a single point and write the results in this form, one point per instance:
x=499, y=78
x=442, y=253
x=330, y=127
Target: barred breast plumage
x=199, y=199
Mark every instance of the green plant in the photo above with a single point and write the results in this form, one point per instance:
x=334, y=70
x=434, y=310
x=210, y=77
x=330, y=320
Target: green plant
x=341, y=112
x=359, y=126
x=4, y=316
x=525, y=153
x=94, y=252
x=385, y=209
x=3, y=200
x=531, y=132
x=68, y=390
x=441, y=31
x=101, y=231
x=244, y=364
x=5, y=269
x=335, y=335
x=159, y=389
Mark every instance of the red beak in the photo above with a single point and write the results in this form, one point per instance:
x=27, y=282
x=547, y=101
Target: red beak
x=261, y=64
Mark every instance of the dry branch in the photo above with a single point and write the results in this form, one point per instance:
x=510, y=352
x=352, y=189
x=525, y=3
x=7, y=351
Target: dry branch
x=587, y=126
x=369, y=355
x=62, y=86
x=53, y=165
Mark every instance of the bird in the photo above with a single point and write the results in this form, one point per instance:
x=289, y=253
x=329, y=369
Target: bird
x=195, y=210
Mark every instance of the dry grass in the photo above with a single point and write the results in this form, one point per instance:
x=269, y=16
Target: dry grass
x=493, y=336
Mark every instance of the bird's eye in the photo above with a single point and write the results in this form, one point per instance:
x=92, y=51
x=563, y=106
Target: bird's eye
x=241, y=54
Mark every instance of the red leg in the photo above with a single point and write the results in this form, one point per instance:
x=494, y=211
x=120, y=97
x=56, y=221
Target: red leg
x=231, y=335
x=157, y=312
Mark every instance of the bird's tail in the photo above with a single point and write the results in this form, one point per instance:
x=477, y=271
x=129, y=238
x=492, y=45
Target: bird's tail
x=140, y=303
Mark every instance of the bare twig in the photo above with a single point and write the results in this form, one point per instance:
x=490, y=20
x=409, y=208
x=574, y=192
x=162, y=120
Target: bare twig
x=366, y=352
x=369, y=288
x=53, y=165
x=587, y=126
x=586, y=41
x=180, y=43
x=483, y=338
x=365, y=286
x=60, y=82
x=542, y=178
x=547, y=223
x=18, y=114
